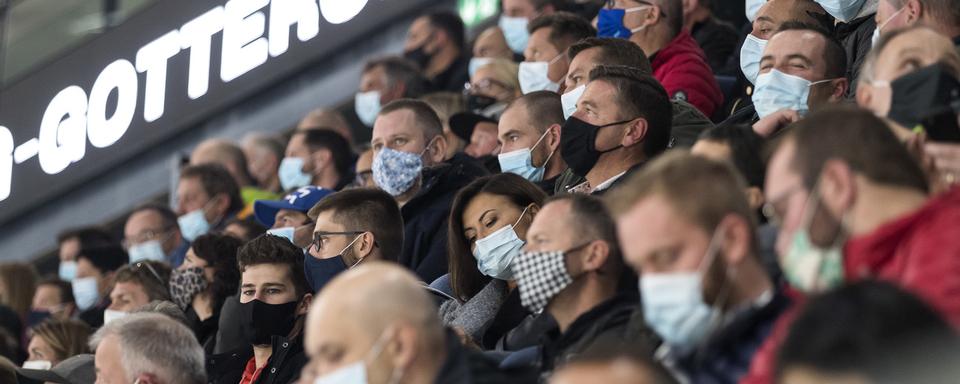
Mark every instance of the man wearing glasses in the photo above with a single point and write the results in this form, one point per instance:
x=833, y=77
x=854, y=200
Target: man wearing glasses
x=352, y=227
x=151, y=233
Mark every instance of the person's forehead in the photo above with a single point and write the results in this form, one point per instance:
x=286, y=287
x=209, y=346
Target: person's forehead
x=398, y=122
x=267, y=273
x=797, y=42
x=599, y=90
x=587, y=58
x=484, y=202
x=145, y=219
x=291, y=213
x=923, y=42
x=127, y=287
x=326, y=222
x=780, y=173
x=780, y=11
x=653, y=215
x=553, y=218
x=486, y=127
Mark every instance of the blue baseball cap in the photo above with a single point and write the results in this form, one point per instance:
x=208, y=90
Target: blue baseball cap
x=300, y=200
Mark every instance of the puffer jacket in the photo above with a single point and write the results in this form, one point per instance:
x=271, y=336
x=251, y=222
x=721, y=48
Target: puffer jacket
x=682, y=68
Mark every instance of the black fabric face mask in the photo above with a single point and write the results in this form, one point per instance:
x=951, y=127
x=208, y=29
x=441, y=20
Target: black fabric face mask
x=321, y=271
x=930, y=97
x=478, y=103
x=577, y=144
x=262, y=321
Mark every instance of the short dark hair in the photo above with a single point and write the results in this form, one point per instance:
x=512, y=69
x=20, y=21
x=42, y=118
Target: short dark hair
x=465, y=277
x=858, y=138
x=66, y=289
x=215, y=180
x=220, y=253
x=424, y=116
x=400, y=70
x=641, y=95
x=874, y=329
x=614, y=52
x=451, y=24
x=367, y=209
x=594, y=218
x=746, y=147
x=834, y=55
x=543, y=109
x=167, y=216
x=270, y=249
x=87, y=236
x=250, y=225
x=610, y=351
x=339, y=147
x=946, y=12
x=565, y=28
x=106, y=258
x=153, y=276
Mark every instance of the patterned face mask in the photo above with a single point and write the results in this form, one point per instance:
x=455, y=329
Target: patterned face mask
x=185, y=284
x=540, y=276
x=395, y=172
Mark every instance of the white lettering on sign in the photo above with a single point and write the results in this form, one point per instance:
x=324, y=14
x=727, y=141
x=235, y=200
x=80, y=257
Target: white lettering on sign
x=72, y=117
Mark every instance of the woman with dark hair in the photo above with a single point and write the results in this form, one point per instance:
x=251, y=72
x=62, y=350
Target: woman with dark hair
x=488, y=224
x=207, y=277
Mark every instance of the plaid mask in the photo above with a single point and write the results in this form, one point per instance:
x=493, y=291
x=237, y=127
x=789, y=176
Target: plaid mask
x=540, y=276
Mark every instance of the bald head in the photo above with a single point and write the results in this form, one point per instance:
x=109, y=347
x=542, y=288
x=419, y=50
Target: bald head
x=226, y=154
x=376, y=308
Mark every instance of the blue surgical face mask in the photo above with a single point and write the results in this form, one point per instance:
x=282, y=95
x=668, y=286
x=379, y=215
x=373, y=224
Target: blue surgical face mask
x=496, y=252
x=367, y=106
x=515, y=31
x=843, y=10
x=750, y=54
x=396, y=172
x=476, y=63
x=85, y=292
x=534, y=76
x=674, y=307
x=67, y=270
x=149, y=250
x=569, y=100
x=292, y=175
x=776, y=90
x=752, y=7
x=520, y=162
x=610, y=22
x=285, y=232
x=193, y=225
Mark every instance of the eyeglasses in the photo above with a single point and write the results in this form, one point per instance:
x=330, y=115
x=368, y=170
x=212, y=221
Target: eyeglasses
x=153, y=272
x=769, y=209
x=319, y=237
x=485, y=86
x=161, y=234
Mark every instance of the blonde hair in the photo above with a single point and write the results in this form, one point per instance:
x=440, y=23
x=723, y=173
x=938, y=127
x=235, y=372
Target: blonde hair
x=505, y=71
x=67, y=338
x=19, y=282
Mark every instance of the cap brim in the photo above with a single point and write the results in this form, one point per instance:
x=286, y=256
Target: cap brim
x=266, y=210
x=42, y=375
x=462, y=123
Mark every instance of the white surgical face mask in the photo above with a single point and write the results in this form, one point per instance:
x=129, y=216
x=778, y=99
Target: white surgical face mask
x=149, y=250
x=750, y=54
x=111, y=315
x=367, y=106
x=777, y=90
x=354, y=373
x=515, y=31
x=193, y=225
x=569, y=100
x=520, y=162
x=291, y=173
x=496, y=252
x=843, y=10
x=752, y=7
x=67, y=270
x=534, y=76
x=85, y=292
x=877, y=30
x=42, y=365
x=285, y=232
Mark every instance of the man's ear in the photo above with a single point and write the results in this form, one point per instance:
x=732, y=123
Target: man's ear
x=553, y=137
x=437, y=149
x=839, y=89
x=221, y=204
x=635, y=133
x=367, y=244
x=837, y=186
x=404, y=347
x=864, y=95
x=595, y=255
x=914, y=11
x=304, y=305
x=321, y=158
x=735, y=238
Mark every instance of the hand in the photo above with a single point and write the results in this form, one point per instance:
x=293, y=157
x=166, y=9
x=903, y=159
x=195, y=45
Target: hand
x=774, y=122
x=946, y=158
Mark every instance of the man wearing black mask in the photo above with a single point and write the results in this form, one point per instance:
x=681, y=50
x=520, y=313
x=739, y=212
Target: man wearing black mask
x=353, y=226
x=622, y=120
x=274, y=297
x=436, y=43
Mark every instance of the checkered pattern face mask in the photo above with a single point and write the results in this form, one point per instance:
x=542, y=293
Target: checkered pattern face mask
x=540, y=276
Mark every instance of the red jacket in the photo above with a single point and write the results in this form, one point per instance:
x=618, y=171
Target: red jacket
x=919, y=252
x=682, y=68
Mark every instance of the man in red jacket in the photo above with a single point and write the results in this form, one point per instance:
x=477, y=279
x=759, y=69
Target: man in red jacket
x=656, y=26
x=852, y=204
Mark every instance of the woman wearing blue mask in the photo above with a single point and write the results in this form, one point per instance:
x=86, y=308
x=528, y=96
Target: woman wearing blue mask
x=488, y=222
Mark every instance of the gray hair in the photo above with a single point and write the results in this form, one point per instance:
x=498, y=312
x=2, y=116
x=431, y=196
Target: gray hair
x=155, y=344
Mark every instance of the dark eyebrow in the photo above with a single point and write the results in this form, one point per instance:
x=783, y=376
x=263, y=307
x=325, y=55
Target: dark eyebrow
x=485, y=214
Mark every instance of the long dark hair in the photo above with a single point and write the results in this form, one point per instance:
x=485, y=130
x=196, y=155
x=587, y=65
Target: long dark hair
x=220, y=253
x=465, y=278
